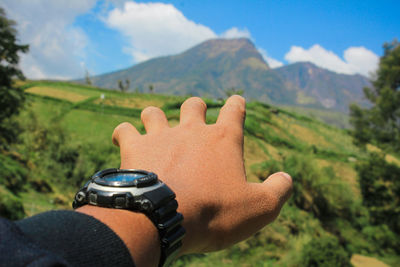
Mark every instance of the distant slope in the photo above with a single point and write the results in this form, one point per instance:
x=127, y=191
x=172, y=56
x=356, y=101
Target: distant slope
x=214, y=66
x=206, y=69
x=316, y=85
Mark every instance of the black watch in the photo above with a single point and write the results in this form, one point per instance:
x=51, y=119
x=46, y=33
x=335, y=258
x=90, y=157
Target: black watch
x=142, y=191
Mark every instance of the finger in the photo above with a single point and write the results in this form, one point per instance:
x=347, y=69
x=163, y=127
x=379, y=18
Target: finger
x=124, y=133
x=233, y=112
x=265, y=200
x=193, y=110
x=154, y=119
x=278, y=187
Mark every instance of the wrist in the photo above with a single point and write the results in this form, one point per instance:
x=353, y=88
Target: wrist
x=136, y=230
x=133, y=190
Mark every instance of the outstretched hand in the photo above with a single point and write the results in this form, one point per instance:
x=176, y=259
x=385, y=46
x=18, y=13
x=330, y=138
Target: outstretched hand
x=203, y=164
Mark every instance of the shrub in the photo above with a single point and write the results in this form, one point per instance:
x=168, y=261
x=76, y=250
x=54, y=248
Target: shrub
x=380, y=188
x=324, y=251
x=13, y=174
x=93, y=158
x=319, y=190
x=10, y=205
x=316, y=190
x=382, y=237
x=266, y=168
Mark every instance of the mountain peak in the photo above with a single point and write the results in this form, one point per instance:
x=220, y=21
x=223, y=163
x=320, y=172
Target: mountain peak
x=238, y=47
x=228, y=44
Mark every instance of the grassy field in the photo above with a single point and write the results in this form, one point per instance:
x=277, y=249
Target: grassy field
x=78, y=124
x=339, y=119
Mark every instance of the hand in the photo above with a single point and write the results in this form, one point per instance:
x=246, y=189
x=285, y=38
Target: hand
x=203, y=165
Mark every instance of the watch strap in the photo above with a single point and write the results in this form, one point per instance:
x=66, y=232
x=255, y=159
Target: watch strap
x=167, y=220
x=170, y=232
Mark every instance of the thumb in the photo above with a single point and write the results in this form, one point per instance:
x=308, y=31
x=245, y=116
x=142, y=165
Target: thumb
x=266, y=201
x=280, y=186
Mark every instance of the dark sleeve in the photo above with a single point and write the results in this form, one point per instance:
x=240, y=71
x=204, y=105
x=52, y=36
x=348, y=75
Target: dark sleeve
x=17, y=250
x=62, y=238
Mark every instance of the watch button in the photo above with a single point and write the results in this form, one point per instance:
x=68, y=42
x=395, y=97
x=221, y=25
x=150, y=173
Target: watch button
x=120, y=202
x=93, y=198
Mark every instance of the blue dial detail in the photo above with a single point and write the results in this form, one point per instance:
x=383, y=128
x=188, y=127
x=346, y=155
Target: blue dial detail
x=123, y=177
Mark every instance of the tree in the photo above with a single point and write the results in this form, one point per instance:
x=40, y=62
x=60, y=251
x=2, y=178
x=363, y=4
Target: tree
x=11, y=97
x=124, y=87
x=151, y=88
x=380, y=124
x=128, y=84
x=233, y=91
x=87, y=78
x=380, y=188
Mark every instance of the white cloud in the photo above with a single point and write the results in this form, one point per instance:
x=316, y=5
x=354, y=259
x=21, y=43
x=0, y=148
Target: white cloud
x=236, y=33
x=273, y=63
x=156, y=29
x=363, y=60
x=356, y=59
x=56, y=48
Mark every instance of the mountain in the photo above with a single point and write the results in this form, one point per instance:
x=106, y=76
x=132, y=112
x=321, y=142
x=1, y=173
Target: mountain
x=315, y=85
x=214, y=66
x=206, y=69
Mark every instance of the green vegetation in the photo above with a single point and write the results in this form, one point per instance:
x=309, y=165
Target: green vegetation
x=336, y=118
x=12, y=168
x=11, y=97
x=10, y=205
x=66, y=140
x=380, y=125
x=324, y=251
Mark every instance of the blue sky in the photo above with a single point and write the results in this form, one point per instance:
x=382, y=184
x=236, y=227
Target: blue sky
x=68, y=37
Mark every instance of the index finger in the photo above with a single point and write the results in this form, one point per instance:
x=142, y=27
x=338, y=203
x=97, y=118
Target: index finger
x=233, y=113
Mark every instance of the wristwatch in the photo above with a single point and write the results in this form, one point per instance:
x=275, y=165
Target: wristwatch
x=140, y=191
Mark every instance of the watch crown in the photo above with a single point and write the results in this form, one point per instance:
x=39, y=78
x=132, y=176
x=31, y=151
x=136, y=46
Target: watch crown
x=80, y=196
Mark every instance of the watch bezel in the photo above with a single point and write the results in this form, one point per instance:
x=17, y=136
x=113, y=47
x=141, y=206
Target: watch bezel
x=148, y=179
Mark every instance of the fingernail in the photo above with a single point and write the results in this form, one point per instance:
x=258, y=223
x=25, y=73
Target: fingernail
x=287, y=176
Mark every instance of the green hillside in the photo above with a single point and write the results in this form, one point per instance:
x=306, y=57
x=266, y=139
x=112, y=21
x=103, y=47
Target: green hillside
x=66, y=137
x=314, y=85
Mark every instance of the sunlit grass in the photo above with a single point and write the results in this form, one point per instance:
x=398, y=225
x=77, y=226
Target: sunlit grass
x=56, y=93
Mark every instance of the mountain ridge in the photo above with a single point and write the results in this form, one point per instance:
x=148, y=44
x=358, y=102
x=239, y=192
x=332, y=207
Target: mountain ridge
x=326, y=86
x=216, y=65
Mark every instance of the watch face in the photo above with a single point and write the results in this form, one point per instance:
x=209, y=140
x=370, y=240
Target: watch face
x=125, y=178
